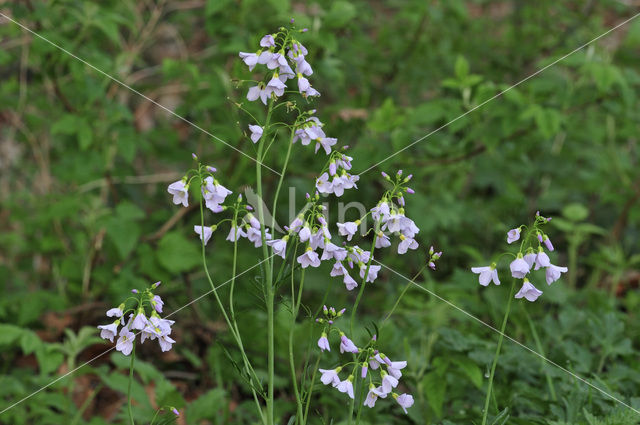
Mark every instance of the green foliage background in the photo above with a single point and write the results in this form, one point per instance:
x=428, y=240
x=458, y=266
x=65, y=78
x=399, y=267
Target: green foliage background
x=85, y=217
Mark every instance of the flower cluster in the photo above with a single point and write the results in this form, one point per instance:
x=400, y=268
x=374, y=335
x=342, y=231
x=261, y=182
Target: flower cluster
x=336, y=179
x=531, y=257
x=213, y=192
x=382, y=373
x=285, y=58
x=149, y=325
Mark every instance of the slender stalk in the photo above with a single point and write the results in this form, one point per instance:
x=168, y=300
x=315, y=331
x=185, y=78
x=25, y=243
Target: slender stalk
x=495, y=357
x=353, y=315
x=154, y=417
x=313, y=380
x=133, y=358
x=552, y=389
x=364, y=282
x=406, y=288
x=269, y=296
x=295, y=307
x=234, y=329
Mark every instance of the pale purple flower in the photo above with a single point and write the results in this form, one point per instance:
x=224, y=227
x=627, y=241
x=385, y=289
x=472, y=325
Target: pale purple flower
x=347, y=345
x=330, y=376
x=250, y=59
x=542, y=260
x=487, y=274
x=406, y=243
x=346, y=387
x=165, y=342
x=139, y=321
x=276, y=60
x=275, y=86
x=372, y=273
x=302, y=66
x=303, y=83
x=530, y=258
x=513, y=235
x=258, y=91
x=108, y=331
x=256, y=133
x=267, y=41
x=381, y=211
x=214, y=194
x=265, y=57
x=388, y=382
x=323, y=185
x=395, y=367
x=383, y=241
x=309, y=258
x=331, y=250
x=323, y=342
x=205, y=232
x=349, y=282
x=338, y=269
x=175, y=411
x=305, y=233
x=370, y=401
x=325, y=143
x=157, y=303
x=311, y=92
x=348, y=229
x=528, y=291
x=519, y=267
x=180, y=193
x=125, y=342
x=279, y=246
x=552, y=273
x=235, y=233
x=405, y=401
x=114, y=312
x=255, y=236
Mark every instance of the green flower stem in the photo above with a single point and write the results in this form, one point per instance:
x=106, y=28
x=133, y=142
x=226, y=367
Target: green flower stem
x=353, y=316
x=234, y=329
x=495, y=357
x=552, y=389
x=269, y=296
x=295, y=308
x=313, y=381
x=406, y=288
x=279, y=186
x=133, y=358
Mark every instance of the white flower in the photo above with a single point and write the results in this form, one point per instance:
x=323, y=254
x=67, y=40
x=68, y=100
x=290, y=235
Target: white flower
x=207, y=231
x=528, y=291
x=346, y=387
x=519, y=267
x=348, y=229
x=125, y=342
x=180, y=193
x=330, y=376
x=108, y=331
x=552, y=273
x=513, y=235
x=256, y=133
x=487, y=274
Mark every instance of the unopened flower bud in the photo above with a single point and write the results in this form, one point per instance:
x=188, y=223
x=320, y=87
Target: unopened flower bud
x=385, y=175
x=211, y=169
x=155, y=285
x=410, y=191
x=325, y=309
x=431, y=250
x=135, y=291
x=194, y=156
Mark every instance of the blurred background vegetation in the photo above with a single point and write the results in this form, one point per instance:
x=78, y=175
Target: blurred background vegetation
x=85, y=217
